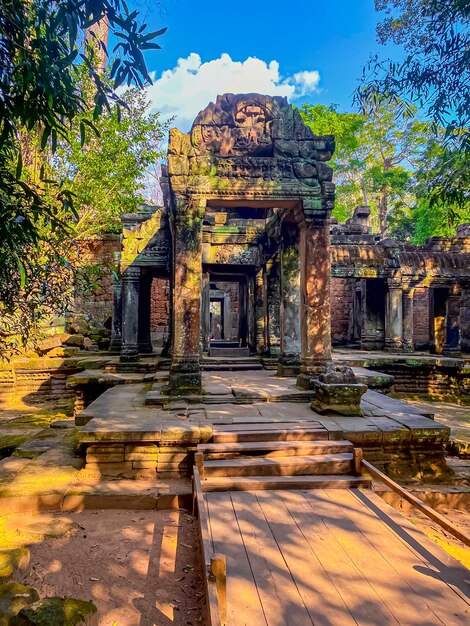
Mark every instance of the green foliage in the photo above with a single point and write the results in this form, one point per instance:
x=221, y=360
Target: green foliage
x=376, y=152
x=41, y=47
x=106, y=177
x=435, y=35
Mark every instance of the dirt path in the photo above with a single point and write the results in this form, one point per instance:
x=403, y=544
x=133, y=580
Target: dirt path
x=140, y=568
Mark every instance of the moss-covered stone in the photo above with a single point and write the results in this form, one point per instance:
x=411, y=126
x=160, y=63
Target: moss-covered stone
x=13, y=598
x=77, y=340
x=57, y=612
x=9, y=443
x=13, y=562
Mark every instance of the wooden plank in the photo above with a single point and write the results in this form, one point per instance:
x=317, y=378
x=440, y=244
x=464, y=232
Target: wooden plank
x=322, y=601
x=243, y=602
x=419, y=504
x=213, y=615
x=361, y=599
x=446, y=567
x=310, y=434
x=257, y=483
x=398, y=602
x=280, y=466
x=280, y=598
x=431, y=596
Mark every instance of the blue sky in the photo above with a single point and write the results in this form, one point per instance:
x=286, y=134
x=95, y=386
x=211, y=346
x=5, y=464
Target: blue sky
x=310, y=51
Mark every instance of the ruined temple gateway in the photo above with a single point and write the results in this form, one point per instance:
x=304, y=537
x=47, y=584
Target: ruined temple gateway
x=248, y=200
x=243, y=243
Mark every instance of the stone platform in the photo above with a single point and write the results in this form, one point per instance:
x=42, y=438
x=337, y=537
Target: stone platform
x=136, y=432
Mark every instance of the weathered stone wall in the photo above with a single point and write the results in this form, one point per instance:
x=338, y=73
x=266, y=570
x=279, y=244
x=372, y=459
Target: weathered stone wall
x=342, y=298
x=421, y=318
x=101, y=252
x=160, y=308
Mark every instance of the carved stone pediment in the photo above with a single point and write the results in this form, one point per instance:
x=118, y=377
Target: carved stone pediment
x=238, y=125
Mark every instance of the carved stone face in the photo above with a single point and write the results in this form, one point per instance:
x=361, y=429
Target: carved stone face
x=243, y=128
x=249, y=115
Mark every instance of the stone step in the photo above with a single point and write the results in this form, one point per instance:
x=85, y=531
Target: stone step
x=231, y=366
x=222, y=343
x=281, y=434
x=229, y=352
x=274, y=448
x=315, y=465
x=137, y=367
x=261, y=483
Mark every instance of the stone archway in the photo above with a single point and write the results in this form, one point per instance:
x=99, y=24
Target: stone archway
x=254, y=151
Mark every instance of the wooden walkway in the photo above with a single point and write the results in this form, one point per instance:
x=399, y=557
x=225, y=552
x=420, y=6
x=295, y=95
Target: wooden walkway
x=334, y=557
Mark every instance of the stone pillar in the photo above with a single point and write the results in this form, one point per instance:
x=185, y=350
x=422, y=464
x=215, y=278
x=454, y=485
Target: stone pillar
x=394, y=318
x=205, y=312
x=243, y=314
x=408, y=345
x=261, y=311
x=145, y=339
x=250, y=312
x=227, y=316
x=116, y=324
x=452, y=345
x=315, y=316
x=130, y=314
x=185, y=373
x=289, y=360
x=167, y=346
x=274, y=303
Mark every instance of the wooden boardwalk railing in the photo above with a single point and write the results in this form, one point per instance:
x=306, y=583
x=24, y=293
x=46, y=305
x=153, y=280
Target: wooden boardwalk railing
x=215, y=568
x=419, y=504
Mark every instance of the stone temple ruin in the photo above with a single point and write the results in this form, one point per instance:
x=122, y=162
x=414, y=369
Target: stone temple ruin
x=248, y=199
x=252, y=258
x=230, y=296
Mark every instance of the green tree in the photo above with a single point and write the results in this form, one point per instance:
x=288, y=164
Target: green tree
x=435, y=36
x=106, y=177
x=438, y=212
x=41, y=47
x=376, y=153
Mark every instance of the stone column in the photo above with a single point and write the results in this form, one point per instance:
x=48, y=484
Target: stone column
x=394, y=318
x=408, y=344
x=243, y=314
x=274, y=304
x=205, y=312
x=289, y=360
x=145, y=339
x=315, y=316
x=116, y=324
x=261, y=311
x=452, y=345
x=185, y=373
x=167, y=346
x=227, y=316
x=130, y=314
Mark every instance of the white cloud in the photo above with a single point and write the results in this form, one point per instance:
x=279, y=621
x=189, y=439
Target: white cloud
x=189, y=87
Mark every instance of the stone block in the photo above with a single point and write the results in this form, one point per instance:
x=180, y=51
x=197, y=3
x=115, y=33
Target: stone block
x=342, y=398
x=13, y=598
x=144, y=465
x=57, y=612
x=178, y=165
x=104, y=457
x=75, y=340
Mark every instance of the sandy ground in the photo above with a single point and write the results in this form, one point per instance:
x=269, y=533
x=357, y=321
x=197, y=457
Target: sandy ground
x=140, y=568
